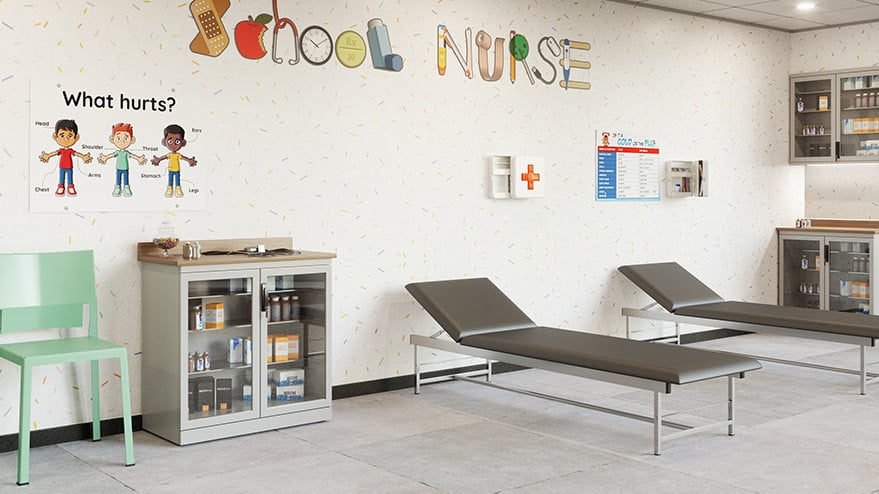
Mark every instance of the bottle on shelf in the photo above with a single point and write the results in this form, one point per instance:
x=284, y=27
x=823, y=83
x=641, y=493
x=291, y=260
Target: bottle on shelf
x=294, y=307
x=275, y=308
x=285, y=308
x=196, y=319
x=804, y=263
x=799, y=104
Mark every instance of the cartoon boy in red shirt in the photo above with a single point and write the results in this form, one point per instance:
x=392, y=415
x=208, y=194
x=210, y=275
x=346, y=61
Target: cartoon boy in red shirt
x=66, y=134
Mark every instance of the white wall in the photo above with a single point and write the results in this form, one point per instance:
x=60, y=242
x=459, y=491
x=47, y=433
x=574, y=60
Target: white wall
x=387, y=169
x=839, y=191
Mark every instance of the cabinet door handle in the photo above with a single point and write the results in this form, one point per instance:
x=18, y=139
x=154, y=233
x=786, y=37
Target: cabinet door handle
x=826, y=253
x=263, y=296
x=837, y=149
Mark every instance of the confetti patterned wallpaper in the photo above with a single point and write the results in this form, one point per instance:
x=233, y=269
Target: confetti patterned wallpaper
x=388, y=168
x=847, y=191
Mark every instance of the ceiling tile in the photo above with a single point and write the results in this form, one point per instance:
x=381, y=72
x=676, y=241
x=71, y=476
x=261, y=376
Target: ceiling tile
x=694, y=6
x=742, y=15
x=789, y=7
x=847, y=16
x=791, y=24
x=773, y=14
x=740, y=3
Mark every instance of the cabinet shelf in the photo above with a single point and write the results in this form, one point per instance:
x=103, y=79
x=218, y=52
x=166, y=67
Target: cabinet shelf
x=238, y=406
x=812, y=135
x=218, y=366
x=286, y=321
x=813, y=111
x=822, y=91
x=229, y=325
x=852, y=108
x=216, y=294
x=292, y=363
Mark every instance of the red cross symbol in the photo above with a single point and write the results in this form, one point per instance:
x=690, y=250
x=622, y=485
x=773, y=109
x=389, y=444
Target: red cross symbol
x=530, y=177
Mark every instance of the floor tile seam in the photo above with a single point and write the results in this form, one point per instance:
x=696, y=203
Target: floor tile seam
x=768, y=427
x=323, y=448
x=395, y=474
x=819, y=441
x=618, y=455
x=99, y=469
x=538, y=482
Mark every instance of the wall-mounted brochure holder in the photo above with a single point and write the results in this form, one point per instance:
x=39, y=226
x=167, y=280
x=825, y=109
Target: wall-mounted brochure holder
x=516, y=177
x=686, y=178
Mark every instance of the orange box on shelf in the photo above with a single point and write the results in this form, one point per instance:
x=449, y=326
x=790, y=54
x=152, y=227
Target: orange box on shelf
x=213, y=316
x=281, y=349
x=293, y=347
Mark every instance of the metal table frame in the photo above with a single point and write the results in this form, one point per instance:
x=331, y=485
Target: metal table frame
x=657, y=387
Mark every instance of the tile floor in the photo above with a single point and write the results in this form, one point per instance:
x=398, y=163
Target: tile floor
x=799, y=430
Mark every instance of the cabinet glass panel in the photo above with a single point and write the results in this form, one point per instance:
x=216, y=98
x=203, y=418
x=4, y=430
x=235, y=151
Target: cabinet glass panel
x=849, y=280
x=220, y=347
x=859, y=116
x=802, y=273
x=812, y=121
x=296, y=343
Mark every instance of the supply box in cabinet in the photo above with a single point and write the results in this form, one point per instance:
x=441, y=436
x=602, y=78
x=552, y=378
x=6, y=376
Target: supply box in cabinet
x=205, y=375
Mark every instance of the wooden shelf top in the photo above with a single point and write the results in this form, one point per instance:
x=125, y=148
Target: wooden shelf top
x=826, y=225
x=147, y=252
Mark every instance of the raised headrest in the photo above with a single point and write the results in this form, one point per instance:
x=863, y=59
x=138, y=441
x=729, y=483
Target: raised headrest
x=469, y=307
x=672, y=286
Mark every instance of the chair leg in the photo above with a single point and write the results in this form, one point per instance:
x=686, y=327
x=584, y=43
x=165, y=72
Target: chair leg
x=24, y=426
x=126, y=409
x=96, y=401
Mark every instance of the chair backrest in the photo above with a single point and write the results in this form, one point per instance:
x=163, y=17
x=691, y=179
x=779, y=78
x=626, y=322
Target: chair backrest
x=47, y=290
x=469, y=307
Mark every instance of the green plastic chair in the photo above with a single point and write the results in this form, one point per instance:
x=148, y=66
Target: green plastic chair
x=56, y=290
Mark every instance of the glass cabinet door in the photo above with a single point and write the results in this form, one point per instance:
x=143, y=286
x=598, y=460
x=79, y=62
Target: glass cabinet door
x=849, y=275
x=802, y=263
x=859, y=116
x=811, y=119
x=295, y=342
x=218, y=350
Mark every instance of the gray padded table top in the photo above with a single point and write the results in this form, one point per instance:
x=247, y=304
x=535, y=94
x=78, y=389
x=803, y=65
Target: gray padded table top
x=787, y=317
x=654, y=361
x=469, y=306
x=670, y=285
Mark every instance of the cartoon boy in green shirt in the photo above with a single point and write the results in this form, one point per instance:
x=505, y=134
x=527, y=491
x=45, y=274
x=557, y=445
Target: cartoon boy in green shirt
x=122, y=137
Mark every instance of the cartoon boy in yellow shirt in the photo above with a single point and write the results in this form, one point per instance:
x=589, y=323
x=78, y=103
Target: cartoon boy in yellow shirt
x=174, y=140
